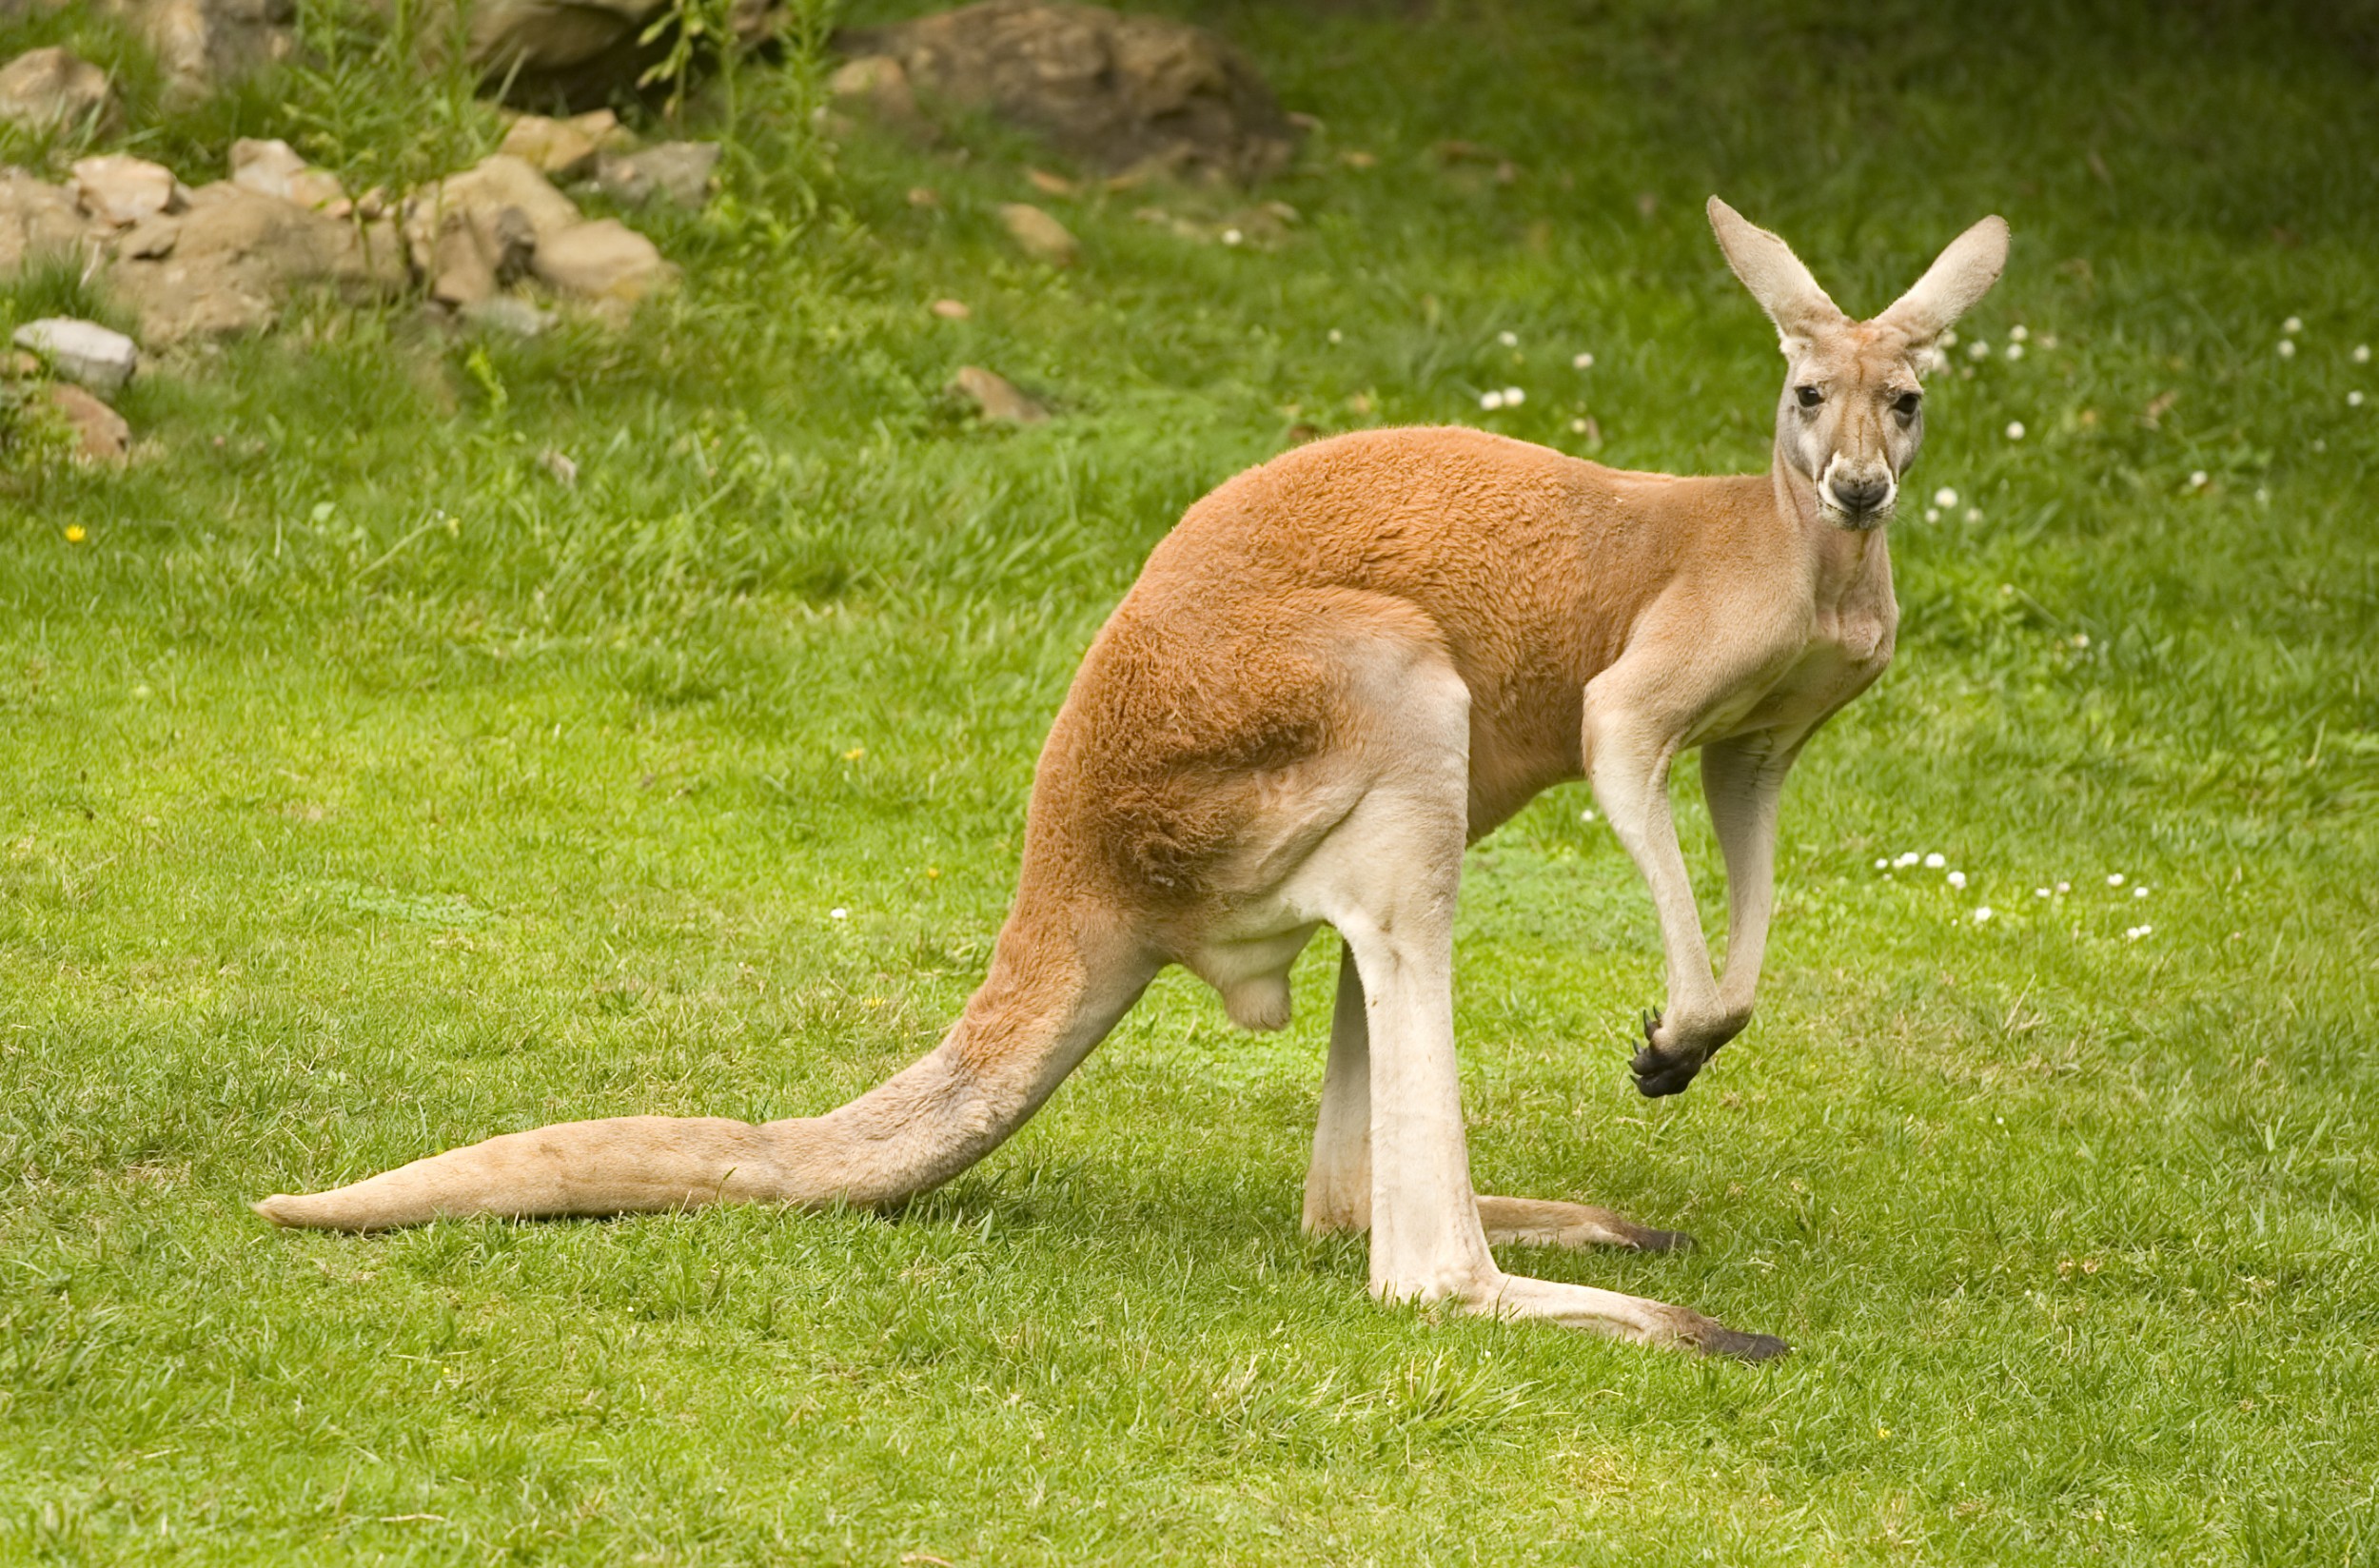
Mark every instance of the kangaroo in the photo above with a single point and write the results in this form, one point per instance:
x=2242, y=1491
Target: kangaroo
x=1337, y=672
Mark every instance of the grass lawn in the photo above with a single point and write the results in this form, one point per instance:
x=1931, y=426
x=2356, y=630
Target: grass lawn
x=369, y=792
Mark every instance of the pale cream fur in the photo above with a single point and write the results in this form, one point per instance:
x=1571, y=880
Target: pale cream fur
x=1339, y=670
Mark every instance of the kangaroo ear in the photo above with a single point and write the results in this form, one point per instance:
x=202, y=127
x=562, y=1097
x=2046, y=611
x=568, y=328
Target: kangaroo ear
x=1957, y=278
x=1776, y=278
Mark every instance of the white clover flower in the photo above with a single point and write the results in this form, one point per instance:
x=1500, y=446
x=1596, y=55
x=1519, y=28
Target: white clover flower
x=1514, y=397
x=1933, y=513
x=1336, y=336
x=1581, y=361
x=1958, y=879
x=2007, y=590
x=2014, y=430
x=1947, y=339
x=1882, y=864
x=1509, y=340
x=838, y=914
x=2019, y=332
x=2065, y=887
x=2135, y=932
x=1908, y=858
x=2361, y=353
x=2040, y=893
x=2293, y=325
x=2354, y=399
x=1490, y=399
x=1974, y=513
x=1231, y=235
x=1945, y=497
x=2081, y=639
x=1586, y=816
x=1978, y=350
x=2288, y=348
x=1935, y=861
x=2197, y=478
x=2015, y=351
x=2139, y=893
x=2114, y=880
x=1579, y=427
x=1982, y=914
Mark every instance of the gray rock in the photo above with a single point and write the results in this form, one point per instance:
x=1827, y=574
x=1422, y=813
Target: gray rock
x=677, y=172
x=82, y=352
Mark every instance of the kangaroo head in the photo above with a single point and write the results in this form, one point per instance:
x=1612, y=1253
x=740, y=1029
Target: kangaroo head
x=1852, y=413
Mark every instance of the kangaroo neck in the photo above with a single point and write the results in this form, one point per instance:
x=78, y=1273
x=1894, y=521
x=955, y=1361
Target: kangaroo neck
x=1850, y=568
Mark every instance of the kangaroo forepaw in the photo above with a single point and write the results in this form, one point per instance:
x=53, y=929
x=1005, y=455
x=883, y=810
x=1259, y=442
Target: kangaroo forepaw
x=1660, y=1070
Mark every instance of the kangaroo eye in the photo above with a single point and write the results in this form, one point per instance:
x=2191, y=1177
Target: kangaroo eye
x=1810, y=396
x=1906, y=404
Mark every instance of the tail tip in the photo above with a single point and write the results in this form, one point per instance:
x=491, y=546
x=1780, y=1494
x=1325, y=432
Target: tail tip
x=287, y=1210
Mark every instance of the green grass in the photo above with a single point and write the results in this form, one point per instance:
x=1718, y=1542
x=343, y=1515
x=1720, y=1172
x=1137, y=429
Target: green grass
x=369, y=792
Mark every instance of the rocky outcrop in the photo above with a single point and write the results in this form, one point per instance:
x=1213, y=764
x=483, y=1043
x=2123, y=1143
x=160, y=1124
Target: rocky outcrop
x=477, y=232
x=228, y=262
x=1116, y=91
x=47, y=89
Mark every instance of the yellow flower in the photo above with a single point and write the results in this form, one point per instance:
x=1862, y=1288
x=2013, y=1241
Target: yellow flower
x=74, y=533
x=854, y=754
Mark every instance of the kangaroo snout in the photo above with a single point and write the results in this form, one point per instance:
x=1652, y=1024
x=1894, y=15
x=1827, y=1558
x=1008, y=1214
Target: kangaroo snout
x=1861, y=495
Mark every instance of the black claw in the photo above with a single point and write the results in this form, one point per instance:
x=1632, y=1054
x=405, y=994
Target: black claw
x=1651, y=1025
x=1664, y=1241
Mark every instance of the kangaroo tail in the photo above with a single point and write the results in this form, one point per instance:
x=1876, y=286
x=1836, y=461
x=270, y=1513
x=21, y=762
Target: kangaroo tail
x=1057, y=983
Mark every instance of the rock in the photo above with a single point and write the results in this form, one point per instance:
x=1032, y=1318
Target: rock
x=1113, y=92
x=47, y=89
x=82, y=352
x=586, y=52
x=227, y=264
x=1040, y=236
x=274, y=169
x=604, y=259
x=100, y=431
x=558, y=148
x=120, y=191
x=508, y=314
x=472, y=233
x=996, y=397
x=38, y=220
x=677, y=172
x=951, y=311
x=879, y=85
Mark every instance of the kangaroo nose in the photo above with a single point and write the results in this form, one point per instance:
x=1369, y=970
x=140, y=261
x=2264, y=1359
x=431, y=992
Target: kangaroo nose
x=1863, y=495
